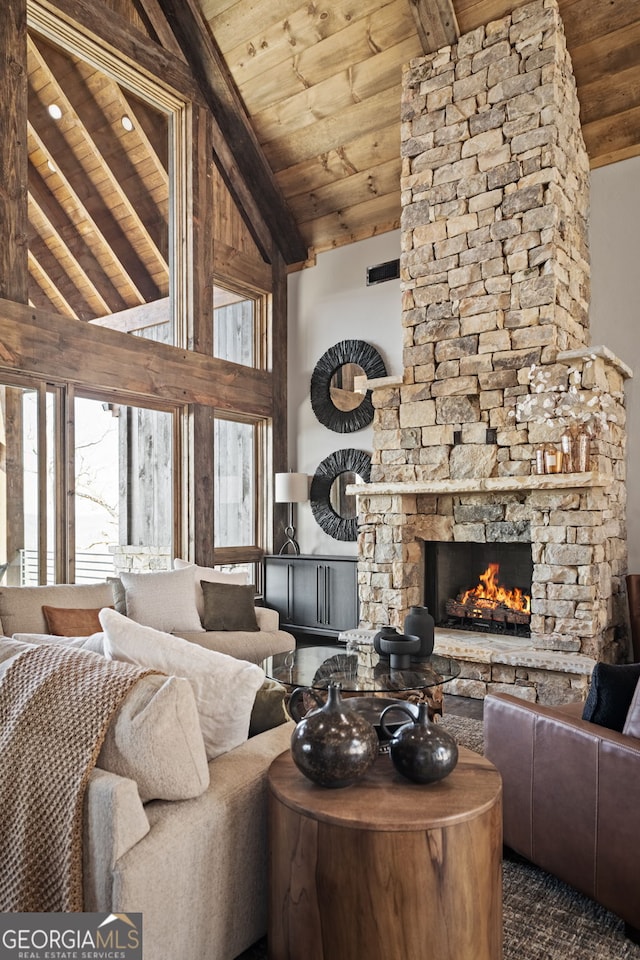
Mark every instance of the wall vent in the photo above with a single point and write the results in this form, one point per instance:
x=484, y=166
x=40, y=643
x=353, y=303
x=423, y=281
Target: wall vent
x=383, y=272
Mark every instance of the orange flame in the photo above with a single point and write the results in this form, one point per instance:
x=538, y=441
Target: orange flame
x=490, y=594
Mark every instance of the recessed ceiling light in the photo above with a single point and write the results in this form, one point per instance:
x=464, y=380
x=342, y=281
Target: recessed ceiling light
x=51, y=166
x=127, y=123
x=55, y=111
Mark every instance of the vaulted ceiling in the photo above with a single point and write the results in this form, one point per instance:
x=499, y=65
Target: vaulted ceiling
x=321, y=84
x=317, y=90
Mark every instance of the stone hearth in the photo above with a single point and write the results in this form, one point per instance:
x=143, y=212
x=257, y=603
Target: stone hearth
x=495, y=281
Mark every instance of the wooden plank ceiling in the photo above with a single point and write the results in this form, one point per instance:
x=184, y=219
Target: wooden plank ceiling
x=320, y=84
x=98, y=193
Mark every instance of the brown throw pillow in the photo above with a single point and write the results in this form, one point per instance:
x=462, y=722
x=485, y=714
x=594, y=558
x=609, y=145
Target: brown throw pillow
x=229, y=606
x=72, y=621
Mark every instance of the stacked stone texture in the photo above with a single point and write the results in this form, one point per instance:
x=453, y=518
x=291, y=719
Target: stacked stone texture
x=495, y=278
x=494, y=244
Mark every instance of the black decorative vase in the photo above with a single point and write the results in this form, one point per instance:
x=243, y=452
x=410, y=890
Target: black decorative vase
x=420, y=623
x=334, y=746
x=420, y=750
x=385, y=633
x=400, y=650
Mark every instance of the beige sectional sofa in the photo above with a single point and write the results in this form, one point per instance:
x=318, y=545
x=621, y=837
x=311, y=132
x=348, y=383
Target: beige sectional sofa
x=21, y=612
x=195, y=868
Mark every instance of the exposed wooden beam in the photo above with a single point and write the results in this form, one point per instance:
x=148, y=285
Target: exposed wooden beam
x=43, y=280
x=109, y=237
x=83, y=132
x=74, y=242
x=156, y=22
x=117, y=33
x=436, y=22
x=137, y=318
x=246, y=158
x=13, y=151
x=46, y=344
x=54, y=267
x=231, y=264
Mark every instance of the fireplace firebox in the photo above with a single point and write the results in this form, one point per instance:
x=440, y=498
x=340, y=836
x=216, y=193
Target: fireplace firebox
x=479, y=586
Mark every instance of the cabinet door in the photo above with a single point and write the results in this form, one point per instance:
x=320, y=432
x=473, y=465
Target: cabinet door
x=277, y=587
x=307, y=593
x=340, y=600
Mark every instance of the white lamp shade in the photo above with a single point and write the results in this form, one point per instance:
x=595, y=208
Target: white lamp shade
x=292, y=487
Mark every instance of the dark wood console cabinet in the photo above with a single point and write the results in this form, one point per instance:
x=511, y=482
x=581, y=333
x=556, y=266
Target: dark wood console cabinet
x=313, y=595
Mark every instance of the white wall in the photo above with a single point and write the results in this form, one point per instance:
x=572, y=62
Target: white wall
x=615, y=297
x=330, y=302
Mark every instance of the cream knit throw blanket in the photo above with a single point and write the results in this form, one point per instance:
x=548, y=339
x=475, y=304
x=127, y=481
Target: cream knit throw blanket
x=55, y=707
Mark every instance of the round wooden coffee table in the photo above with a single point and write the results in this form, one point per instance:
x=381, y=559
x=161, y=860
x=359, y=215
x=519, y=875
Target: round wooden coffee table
x=386, y=868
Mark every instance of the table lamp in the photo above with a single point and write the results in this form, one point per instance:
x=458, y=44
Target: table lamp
x=291, y=488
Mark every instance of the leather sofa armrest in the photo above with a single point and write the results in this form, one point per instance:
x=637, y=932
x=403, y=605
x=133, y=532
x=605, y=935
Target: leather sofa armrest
x=114, y=821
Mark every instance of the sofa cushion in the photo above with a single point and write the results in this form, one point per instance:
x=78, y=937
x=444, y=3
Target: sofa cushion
x=154, y=737
x=610, y=694
x=71, y=621
x=211, y=575
x=268, y=708
x=225, y=688
x=229, y=606
x=164, y=600
x=21, y=607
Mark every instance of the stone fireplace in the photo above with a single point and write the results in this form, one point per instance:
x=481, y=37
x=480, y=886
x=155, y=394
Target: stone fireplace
x=495, y=280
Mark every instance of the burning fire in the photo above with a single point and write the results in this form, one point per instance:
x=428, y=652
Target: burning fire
x=489, y=593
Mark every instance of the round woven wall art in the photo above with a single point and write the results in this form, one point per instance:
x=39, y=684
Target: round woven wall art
x=343, y=354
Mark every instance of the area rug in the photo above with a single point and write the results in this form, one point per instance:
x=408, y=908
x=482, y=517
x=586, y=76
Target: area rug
x=544, y=919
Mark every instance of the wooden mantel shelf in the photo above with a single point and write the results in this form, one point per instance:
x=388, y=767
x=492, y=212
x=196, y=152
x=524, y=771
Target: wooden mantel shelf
x=554, y=481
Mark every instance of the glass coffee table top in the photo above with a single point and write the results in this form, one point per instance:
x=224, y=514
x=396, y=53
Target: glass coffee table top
x=316, y=667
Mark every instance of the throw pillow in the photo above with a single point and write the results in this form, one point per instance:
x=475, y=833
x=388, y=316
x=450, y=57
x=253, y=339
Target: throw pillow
x=153, y=738
x=119, y=594
x=225, y=688
x=610, y=695
x=268, y=708
x=164, y=601
x=71, y=621
x=209, y=574
x=94, y=643
x=228, y=606
x=632, y=721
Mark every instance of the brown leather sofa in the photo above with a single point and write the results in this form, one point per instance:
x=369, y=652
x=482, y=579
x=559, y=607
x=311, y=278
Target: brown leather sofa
x=571, y=798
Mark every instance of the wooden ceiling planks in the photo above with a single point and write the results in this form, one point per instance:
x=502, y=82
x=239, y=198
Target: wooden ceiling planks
x=96, y=154
x=316, y=90
x=317, y=82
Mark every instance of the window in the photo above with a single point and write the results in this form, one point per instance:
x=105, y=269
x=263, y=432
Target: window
x=27, y=484
x=237, y=322
x=117, y=511
x=107, y=185
x=234, y=484
x=123, y=488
